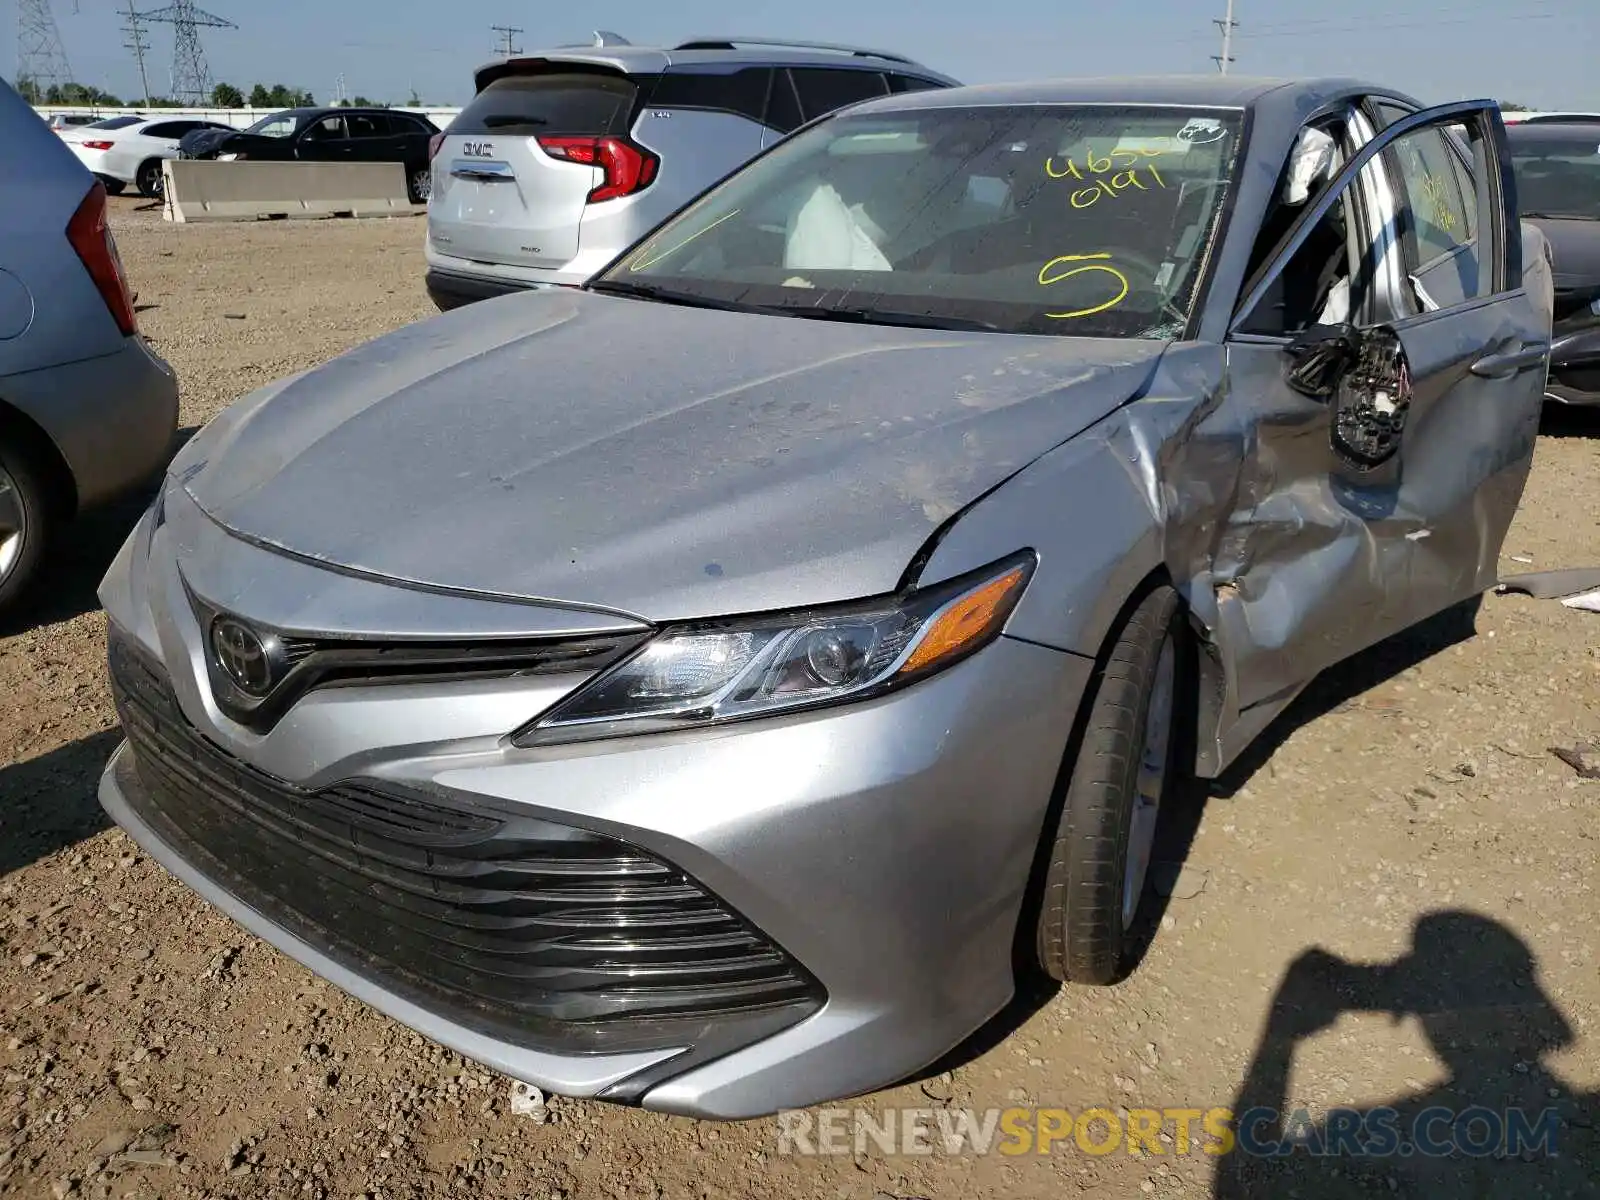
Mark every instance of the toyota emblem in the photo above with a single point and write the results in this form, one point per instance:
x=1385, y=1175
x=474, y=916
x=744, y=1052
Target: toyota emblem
x=245, y=658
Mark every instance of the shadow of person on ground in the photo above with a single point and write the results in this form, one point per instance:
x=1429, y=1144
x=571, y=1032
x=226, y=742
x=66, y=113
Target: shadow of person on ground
x=48, y=803
x=1500, y=1124
x=1181, y=816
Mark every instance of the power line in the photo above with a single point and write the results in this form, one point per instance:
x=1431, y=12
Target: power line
x=1227, y=25
x=1416, y=19
x=507, y=33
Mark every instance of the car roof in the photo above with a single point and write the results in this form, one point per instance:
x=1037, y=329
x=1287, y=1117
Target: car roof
x=1555, y=131
x=1179, y=91
x=611, y=52
x=35, y=164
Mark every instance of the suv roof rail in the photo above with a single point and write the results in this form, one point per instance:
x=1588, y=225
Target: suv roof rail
x=731, y=43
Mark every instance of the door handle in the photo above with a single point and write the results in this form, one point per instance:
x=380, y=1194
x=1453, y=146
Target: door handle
x=1503, y=366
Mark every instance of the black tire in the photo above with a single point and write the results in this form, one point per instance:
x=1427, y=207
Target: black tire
x=114, y=187
x=1085, y=934
x=149, y=179
x=24, y=502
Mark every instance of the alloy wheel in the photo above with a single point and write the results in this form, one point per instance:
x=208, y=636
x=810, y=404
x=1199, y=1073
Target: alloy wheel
x=13, y=524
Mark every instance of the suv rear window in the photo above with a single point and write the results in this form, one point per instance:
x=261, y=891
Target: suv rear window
x=577, y=103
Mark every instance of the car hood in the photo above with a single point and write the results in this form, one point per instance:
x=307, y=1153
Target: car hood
x=663, y=461
x=1575, y=248
x=199, y=141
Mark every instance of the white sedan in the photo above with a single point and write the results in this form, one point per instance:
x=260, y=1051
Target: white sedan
x=130, y=150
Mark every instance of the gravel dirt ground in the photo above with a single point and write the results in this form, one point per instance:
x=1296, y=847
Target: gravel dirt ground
x=1392, y=901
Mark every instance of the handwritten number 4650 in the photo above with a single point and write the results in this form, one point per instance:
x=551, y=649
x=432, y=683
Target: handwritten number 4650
x=1114, y=176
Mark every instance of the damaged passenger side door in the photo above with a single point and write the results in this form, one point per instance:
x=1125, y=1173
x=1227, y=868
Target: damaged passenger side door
x=1395, y=405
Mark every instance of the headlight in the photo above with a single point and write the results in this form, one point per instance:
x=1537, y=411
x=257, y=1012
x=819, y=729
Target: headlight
x=690, y=676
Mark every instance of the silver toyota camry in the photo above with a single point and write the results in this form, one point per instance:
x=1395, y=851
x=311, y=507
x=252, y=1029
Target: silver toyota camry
x=694, y=690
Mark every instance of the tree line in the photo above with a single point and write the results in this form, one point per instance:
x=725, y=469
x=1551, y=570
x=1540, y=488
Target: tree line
x=224, y=95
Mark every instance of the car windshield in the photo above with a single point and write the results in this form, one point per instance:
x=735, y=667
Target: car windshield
x=1558, y=172
x=278, y=126
x=116, y=122
x=1077, y=220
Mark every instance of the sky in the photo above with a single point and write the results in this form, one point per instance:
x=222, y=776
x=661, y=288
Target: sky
x=1538, y=53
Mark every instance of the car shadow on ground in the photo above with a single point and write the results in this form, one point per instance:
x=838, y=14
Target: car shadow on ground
x=1567, y=421
x=70, y=580
x=49, y=803
x=1499, y=1121
x=1336, y=687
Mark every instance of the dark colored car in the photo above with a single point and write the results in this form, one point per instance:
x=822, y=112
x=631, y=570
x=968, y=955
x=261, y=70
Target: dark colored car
x=328, y=135
x=1557, y=166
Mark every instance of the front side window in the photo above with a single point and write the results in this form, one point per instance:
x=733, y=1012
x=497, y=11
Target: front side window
x=1075, y=220
x=329, y=129
x=275, y=127
x=1442, y=203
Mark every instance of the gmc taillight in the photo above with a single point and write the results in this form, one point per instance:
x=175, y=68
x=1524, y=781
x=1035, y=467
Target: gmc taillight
x=436, y=141
x=90, y=235
x=628, y=168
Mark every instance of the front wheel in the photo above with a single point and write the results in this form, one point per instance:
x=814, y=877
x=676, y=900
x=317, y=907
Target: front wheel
x=150, y=180
x=1125, y=770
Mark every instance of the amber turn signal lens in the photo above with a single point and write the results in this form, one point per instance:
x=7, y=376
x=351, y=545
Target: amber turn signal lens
x=967, y=619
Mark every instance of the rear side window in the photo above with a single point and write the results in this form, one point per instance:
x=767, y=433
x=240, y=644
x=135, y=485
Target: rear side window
x=911, y=83
x=574, y=103
x=369, y=126
x=742, y=92
x=169, y=129
x=823, y=89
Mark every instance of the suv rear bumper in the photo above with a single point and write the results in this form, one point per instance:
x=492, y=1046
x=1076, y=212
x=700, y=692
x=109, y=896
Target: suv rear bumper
x=449, y=290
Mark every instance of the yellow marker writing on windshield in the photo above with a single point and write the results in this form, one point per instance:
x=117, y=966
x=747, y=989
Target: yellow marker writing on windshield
x=641, y=263
x=1088, y=262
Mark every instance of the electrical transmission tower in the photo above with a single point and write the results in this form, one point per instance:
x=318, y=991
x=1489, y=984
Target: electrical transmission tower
x=135, y=31
x=191, y=77
x=507, y=34
x=1227, y=25
x=41, y=58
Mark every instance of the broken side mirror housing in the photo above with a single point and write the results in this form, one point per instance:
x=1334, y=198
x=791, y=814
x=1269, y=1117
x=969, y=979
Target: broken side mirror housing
x=1320, y=356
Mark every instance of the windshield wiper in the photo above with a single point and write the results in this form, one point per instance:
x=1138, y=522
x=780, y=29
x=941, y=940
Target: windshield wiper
x=649, y=291
x=858, y=316
x=884, y=316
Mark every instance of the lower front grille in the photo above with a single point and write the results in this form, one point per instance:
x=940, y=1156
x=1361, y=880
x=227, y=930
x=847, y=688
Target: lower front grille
x=540, y=934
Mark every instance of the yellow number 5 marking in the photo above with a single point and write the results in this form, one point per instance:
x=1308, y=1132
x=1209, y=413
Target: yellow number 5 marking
x=1091, y=262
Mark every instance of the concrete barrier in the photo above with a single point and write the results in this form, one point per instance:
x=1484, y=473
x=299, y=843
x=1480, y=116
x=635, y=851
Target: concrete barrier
x=203, y=190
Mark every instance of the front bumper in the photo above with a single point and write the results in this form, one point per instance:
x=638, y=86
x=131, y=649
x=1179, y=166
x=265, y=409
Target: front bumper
x=882, y=850
x=1575, y=367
